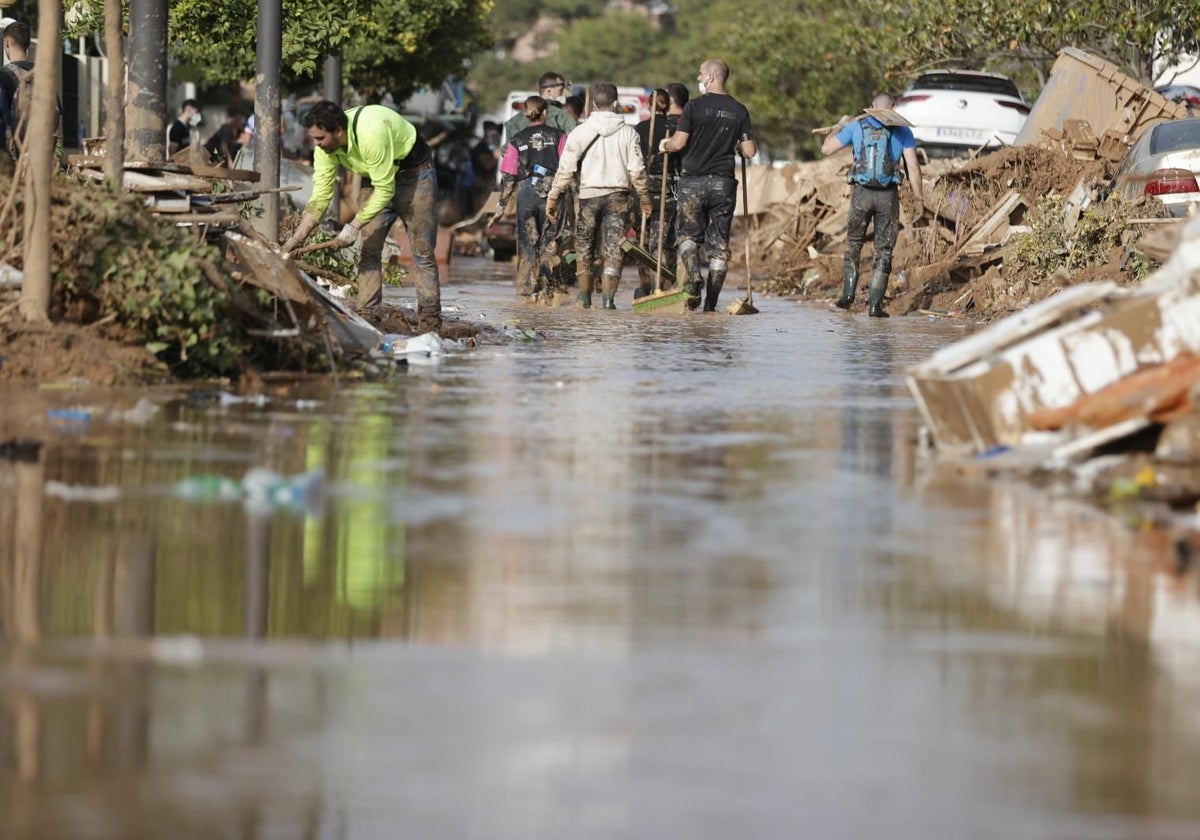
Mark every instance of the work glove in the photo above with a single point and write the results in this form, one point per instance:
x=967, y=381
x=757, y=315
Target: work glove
x=662, y=144
x=290, y=245
x=348, y=236
x=552, y=208
x=647, y=207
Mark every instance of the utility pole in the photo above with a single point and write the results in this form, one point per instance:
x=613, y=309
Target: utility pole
x=332, y=90
x=146, y=109
x=266, y=109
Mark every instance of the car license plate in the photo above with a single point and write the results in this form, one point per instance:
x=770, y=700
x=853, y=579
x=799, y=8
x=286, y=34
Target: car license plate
x=970, y=135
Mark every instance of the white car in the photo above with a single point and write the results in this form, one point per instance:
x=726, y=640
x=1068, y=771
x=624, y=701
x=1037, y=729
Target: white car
x=1164, y=162
x=956, y=111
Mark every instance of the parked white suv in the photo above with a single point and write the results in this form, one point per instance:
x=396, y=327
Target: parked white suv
x=954, y=111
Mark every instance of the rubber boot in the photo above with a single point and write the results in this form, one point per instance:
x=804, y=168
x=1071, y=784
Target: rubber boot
x=691, y=283
x=607, y=302
x=585, y=287
x=879, y=281
x=849, y=284
x=712, y=290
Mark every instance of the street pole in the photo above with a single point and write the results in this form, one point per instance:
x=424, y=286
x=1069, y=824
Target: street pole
x=146, y=108
x=332, y=91
x=266, y=109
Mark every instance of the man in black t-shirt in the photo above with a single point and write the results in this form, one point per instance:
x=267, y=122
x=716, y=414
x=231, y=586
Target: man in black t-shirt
x=180, y=133
x=711, y=128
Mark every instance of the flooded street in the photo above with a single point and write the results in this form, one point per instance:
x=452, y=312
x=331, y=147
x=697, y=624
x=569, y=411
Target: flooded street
x=655, y=576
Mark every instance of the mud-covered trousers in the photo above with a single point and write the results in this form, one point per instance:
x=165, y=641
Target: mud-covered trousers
x=884, y=207
x=604, y=218
x=537, y=243
x=706, y=204
x=415, y=204
x=666, y=213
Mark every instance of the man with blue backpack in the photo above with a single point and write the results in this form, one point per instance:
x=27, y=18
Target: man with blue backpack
x=875, y=178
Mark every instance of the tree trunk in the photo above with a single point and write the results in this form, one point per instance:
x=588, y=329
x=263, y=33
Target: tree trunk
x=114, y=122
x=38, y=160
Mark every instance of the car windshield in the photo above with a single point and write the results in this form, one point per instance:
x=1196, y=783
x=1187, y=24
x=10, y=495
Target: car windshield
x=1175, y=136
x=975, y=84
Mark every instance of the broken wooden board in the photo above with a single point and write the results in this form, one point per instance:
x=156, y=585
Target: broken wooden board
x=223, y=173
x=887, y=116
x=134, y=181
x=268, y=269
x=994, y=228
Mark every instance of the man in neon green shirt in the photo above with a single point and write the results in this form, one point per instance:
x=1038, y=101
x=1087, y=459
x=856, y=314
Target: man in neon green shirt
x=379, y=144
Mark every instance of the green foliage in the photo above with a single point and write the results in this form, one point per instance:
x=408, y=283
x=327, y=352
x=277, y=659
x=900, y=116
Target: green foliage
x=605, y=49
x=388, y=45
x=1049, y=245
x=155, y=278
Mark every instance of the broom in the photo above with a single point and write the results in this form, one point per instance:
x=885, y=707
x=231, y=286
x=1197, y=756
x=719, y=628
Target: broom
x=660, y=299
x=745, y=306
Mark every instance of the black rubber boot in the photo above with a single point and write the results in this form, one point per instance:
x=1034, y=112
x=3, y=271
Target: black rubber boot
x=691, y=283
x=607, y=302
x=879, y=281
x=585, y=300
x=712, y=290
x=849, y=284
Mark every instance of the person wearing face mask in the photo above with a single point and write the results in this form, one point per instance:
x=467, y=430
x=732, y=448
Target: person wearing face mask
x=711, y=128
x=553, y=88
x=180, y=134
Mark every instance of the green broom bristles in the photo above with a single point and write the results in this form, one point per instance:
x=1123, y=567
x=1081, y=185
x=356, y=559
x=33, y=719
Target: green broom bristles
x=661, y=300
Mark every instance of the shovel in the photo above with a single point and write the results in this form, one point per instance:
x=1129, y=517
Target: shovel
x=745, y=306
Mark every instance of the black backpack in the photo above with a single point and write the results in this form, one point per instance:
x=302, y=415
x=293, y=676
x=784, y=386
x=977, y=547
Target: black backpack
x=874, y=166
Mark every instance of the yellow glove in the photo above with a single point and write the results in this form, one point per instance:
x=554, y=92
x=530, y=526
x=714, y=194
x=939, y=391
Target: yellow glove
x=552, y=208
x=647, y=207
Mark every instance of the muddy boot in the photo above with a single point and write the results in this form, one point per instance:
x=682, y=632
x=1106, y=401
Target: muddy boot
x=849, y=284
x=712, y=289
x=879, y=281
x=585, y=286
x=691, y=282
x=607, y=302
x=584, y=299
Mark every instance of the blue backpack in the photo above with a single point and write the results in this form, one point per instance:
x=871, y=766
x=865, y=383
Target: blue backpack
x=874, y=166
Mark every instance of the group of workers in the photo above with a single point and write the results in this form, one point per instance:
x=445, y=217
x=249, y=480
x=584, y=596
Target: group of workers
x=679, y=164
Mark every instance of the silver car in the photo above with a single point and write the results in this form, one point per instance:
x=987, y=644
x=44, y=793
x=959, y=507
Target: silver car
x=1164, y=163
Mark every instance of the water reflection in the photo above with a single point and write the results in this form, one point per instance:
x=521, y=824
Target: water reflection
x=653, y=578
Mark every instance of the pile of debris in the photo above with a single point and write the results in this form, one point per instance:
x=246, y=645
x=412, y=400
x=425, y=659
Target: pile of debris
x=960, y=254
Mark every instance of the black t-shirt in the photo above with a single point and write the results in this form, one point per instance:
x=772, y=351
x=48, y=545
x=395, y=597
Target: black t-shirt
x=715, y=124
x=664, y=124
x=180, y=135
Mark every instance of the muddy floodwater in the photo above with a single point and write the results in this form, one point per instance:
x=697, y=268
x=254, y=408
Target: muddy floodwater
x=653, y=576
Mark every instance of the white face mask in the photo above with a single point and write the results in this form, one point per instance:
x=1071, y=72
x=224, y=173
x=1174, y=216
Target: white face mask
x=703, y=88
x=194, y=120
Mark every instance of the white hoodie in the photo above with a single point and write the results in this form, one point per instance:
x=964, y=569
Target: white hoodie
x=613, y=163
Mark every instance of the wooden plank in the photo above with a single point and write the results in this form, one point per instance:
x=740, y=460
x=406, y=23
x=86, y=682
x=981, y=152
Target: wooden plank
x=224, y=173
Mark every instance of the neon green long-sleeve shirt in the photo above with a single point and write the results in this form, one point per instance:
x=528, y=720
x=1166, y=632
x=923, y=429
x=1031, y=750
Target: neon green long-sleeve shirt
x=373, y=146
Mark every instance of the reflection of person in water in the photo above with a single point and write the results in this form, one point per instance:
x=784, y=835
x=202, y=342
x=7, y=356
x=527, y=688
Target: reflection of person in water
x=867, y=423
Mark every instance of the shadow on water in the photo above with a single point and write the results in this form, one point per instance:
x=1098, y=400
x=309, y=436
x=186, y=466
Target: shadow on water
x=650, y=577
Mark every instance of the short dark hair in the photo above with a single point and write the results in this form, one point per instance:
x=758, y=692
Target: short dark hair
x=604, y=95
x=326, y=115
x=551, y=79
x=678, y=93
x=18, y=33
x=189, y=103
x=659, y=100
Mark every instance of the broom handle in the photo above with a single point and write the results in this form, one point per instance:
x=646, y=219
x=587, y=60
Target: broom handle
x=662, y=212
x=642, y=238
x=746, y=216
